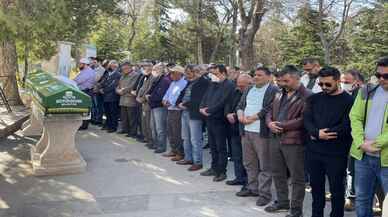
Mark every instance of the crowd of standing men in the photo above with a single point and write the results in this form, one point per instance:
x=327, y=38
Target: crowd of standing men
x=287, y=129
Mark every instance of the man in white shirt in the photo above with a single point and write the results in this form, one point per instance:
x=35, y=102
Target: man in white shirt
x=251, y=111
x=310, y=79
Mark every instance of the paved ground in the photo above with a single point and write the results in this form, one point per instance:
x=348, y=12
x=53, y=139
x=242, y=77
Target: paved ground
x=123, y=179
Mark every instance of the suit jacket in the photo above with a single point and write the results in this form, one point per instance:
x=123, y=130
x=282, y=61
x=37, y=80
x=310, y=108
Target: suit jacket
x=109, y=85
x=128, y=82
x=198, y=89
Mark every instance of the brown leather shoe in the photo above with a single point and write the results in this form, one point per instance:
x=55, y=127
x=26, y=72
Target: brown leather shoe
x=184, y=162
x=170, y=154
x=195, y=167
x=177, y=157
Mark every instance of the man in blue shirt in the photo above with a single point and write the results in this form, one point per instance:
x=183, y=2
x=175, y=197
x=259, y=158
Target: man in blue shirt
x=174, y=112
x=252, y=109
x=85, y=81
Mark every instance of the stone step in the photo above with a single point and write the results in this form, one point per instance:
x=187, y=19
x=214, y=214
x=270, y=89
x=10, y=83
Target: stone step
x=12, y=122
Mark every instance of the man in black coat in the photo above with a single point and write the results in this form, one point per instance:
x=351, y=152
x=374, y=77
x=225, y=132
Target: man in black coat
x=111, y=98
x=243, y=82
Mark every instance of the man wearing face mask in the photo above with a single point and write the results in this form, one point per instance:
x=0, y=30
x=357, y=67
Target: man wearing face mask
x=128, y=102
x=310, y=80
x=212, y=107
x=326, y=120
x=142, y=89
x=351, y=81
x=85, y=81
x=111, y=98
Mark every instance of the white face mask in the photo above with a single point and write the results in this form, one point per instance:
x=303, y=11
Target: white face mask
x=347, y=87
x=155, y=73
x=214, y=78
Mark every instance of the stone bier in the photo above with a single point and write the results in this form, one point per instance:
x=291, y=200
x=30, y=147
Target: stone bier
x=57, y=110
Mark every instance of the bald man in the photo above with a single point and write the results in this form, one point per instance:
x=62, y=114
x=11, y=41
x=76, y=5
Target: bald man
x=251, y=111
x=243, y=82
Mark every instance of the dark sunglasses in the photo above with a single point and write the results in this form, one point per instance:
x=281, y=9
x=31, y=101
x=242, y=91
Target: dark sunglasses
x=384, y=76
x=321, y=84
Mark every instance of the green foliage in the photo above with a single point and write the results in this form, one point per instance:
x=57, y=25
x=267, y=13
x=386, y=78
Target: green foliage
x=110, y=38
x=301, y=40
x=369, y=38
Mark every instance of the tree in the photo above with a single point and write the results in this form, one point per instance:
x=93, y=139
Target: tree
x=110, y=38
x=8, y=55
x=301, y=40
x=330, y=38
x=368, y=36
x=133, y=9
x=268, y=42
x=250, y=24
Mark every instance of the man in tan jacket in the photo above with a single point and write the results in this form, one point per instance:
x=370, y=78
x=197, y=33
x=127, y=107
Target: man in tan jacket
x=128, y=102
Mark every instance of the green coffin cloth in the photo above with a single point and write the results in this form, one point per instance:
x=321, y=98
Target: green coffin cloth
x=55, y=97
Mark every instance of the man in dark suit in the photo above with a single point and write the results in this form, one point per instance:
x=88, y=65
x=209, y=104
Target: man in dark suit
x=111, y=98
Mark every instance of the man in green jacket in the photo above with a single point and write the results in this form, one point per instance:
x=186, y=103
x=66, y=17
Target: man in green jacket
x=369, y=122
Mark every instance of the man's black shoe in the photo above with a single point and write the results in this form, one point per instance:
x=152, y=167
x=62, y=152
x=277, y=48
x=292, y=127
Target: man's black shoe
x=219, y=178
x=209, y=172
x=234, y=182
x=206, y=146
x=111, y=131
x=295, y=213
x=276, y=207
x=122, y=132
x=245, y=192
x=262, y=201
x=159, y=151
x=140, y=140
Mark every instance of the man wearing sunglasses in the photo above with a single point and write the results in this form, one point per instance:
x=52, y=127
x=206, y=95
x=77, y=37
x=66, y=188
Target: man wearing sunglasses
x=326, y=120
x=369, y=122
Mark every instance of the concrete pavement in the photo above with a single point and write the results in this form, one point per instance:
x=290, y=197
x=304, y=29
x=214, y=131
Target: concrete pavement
x=123, y=179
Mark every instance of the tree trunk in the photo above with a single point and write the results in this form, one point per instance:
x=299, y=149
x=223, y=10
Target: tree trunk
x=132, y=35
x=8, y=69
x=246, y=52
x=250, y=24
x=26, y=65
x=234, y=36
x=199, y=33
x=216, y=46
x=327, y=55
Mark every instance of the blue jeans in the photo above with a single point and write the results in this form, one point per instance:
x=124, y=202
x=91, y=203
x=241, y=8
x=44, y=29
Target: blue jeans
x=192, y=138
x=187, y=146
x=196, y=137
x=159, y=127
x=368, y=173
x=97, y=108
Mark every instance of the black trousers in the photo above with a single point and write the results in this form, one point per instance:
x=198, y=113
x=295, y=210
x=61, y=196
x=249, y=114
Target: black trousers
x=334, y=167
x=138, y=121
x=217, y=140
x=112, y=113
x=237, y=157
